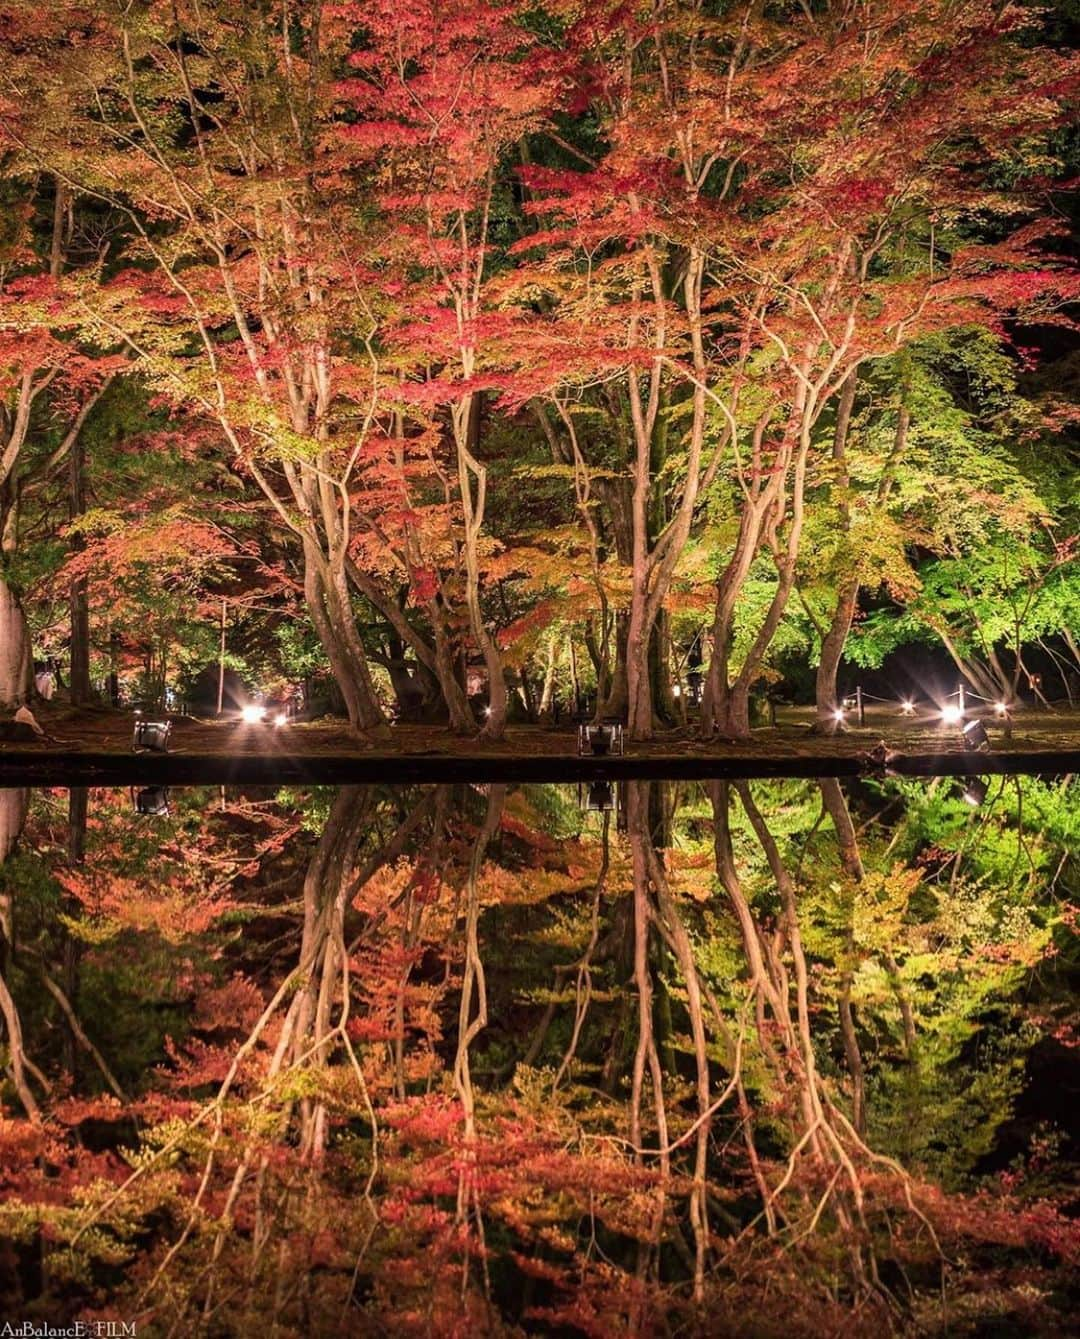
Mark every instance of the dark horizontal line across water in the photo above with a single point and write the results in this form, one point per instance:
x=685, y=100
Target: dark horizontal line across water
x=33, y=768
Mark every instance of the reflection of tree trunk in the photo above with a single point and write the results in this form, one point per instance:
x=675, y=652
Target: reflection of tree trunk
x=833, y=799
x=473, y=991
x=322, y=945
x=77, y=815
x=850, y=858
x=651, y=799
x=786, y=1044
x=13, y=807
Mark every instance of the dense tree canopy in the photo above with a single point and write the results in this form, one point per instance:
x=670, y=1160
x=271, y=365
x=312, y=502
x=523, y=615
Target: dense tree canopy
x=529, y=351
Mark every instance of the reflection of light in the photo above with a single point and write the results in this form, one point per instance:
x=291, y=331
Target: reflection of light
x=907, y=707
x=152, y=800
x=952, y=715
x=281, y=719
x=252, y=714
x=1001, y=708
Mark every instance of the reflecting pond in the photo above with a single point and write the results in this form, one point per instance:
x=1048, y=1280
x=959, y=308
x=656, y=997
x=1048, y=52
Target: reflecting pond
x=739, y=1058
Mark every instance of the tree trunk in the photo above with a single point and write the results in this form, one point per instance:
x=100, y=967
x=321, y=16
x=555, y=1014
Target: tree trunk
x=832, y=649
x=78, y=603
x=347, y=661
x=716, y=713
x=14, y=650
x=832, y=644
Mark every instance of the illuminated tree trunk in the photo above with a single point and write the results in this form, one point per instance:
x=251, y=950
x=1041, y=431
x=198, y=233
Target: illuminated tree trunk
x=466, y=420
x=847, y=595
x=78, y=602
x=331, y=614
x=14, y=650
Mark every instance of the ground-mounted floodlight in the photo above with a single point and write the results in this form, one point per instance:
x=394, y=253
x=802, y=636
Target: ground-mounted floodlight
x=1001, y=710
x=907, y=707
x=151, y=736
x=252, y=714
x=600, y=740
x=282, y=718
x=951, y=714
x=975, y=791
x=152, y=801
x=974, y=735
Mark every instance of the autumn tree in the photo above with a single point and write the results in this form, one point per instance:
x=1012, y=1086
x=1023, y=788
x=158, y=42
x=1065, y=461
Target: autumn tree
x=773, y=206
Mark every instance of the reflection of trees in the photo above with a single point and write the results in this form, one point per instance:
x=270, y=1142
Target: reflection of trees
x=473, y=1075
x=13, y=806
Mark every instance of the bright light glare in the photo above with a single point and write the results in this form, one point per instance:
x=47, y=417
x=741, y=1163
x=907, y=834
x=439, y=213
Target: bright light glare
x=838, y=714
x=1001, y=708
x=952, y=715
x=487, y=711
x=281, y=719
x=676, y=690
x=907, y=707
x=252, y=714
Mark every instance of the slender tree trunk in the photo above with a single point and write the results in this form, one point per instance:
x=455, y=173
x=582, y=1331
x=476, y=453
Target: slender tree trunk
x=78, y=601
x=847, y=595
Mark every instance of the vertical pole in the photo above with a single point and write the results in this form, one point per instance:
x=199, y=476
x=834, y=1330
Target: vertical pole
x=221, y=663
x=859, y=705
x=960, y=697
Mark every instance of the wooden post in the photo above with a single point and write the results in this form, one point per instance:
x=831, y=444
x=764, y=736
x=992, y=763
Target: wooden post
x=860, y=709
x=960, y=697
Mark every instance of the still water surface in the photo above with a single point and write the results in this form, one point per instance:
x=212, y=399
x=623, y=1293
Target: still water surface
x=774, y=1057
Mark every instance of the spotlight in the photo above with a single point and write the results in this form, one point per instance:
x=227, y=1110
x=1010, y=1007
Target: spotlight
x=975, y=736
x=281, y=719
x=600, y=740
x=975, y=791
x=951, y=715
x=907, y=707
x=838, y=714
x=252, y=714
x=151, y=736
x=1001, y=709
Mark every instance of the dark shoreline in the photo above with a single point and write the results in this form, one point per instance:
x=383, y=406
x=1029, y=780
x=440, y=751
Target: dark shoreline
x=39, y=768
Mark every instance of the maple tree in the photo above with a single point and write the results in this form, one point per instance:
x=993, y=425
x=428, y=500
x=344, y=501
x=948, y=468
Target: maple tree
x=402, y=275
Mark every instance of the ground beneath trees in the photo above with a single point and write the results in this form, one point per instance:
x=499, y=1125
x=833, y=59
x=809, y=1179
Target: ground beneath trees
x=95, y=747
